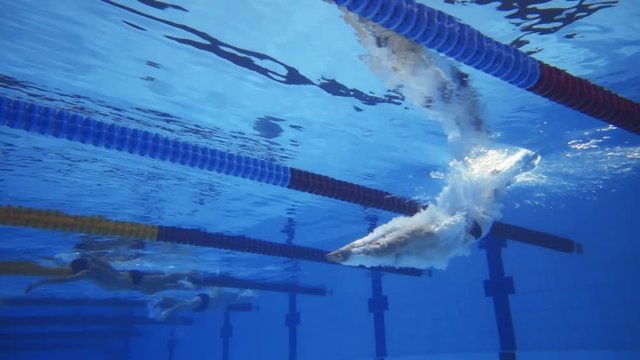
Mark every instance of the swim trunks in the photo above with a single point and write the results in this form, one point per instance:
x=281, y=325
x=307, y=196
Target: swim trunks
x=204, y=302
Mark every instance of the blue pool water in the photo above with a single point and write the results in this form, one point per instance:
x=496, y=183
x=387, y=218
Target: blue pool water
x=290, y=83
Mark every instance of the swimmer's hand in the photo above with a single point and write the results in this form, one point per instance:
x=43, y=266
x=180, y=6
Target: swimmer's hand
x=186, y=284
x=339, y=256
x=162, y=316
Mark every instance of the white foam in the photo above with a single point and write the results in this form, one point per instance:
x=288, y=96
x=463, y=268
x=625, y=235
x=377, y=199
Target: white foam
x=443, y=230
x=477, y=177
x=426, y=79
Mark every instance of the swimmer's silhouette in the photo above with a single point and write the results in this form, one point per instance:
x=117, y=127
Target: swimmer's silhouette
x=212, y=298
x=101, y=273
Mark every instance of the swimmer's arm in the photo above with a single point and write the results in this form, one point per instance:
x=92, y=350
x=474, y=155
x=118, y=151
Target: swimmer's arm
x=56, y=280
x=170, y=281
x=186, y=304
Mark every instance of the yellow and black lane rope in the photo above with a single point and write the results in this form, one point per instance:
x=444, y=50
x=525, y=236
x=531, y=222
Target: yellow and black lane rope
x=57, y=220
x=96, y=225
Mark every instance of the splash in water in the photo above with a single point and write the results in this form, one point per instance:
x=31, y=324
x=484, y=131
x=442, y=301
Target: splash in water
x=480, y=172
x=462, y=213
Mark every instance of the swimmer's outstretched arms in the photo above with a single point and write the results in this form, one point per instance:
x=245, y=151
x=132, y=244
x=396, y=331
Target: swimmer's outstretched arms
x=408, y=243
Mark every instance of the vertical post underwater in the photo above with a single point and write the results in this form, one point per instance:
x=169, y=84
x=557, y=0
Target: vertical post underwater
x=225, y=334
x=128, y=326
x=172, y=341
x=292, y=318
x=499, y=287
x=378, y=304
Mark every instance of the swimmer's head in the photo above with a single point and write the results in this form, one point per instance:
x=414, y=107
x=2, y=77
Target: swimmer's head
x=475, y=230
x=78, y=265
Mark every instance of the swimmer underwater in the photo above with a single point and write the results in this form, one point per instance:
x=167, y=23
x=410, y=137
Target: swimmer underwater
x=104, y=275
x=211, y=299
x=101, y=273
x=479, y=174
